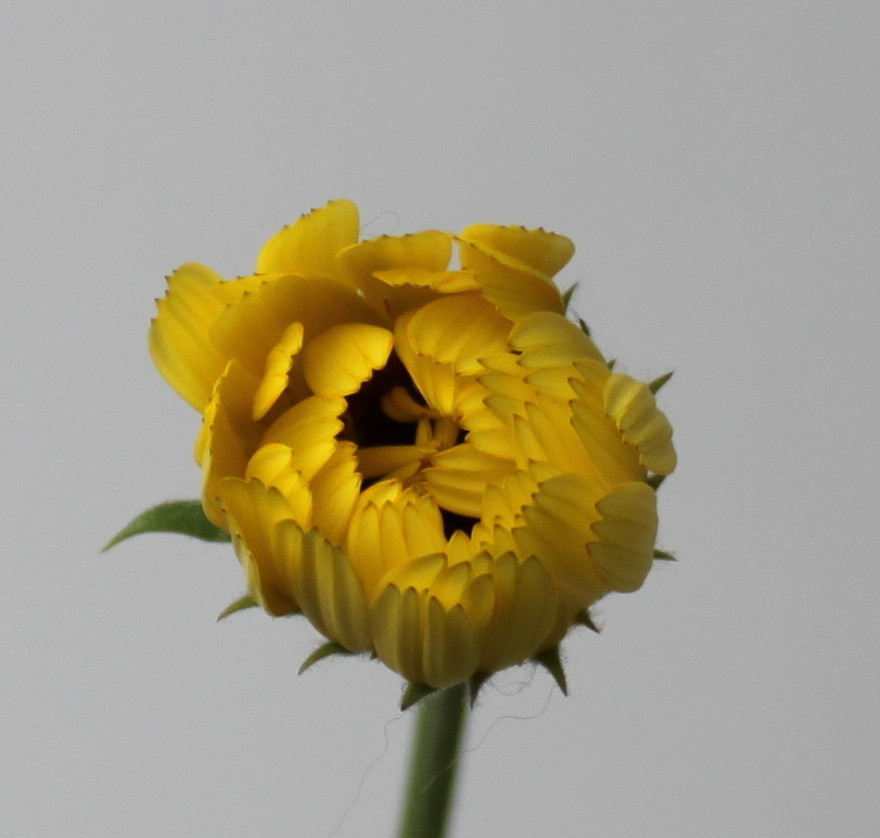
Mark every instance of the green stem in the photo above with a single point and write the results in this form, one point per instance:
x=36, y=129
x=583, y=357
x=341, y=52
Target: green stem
x=434, y=759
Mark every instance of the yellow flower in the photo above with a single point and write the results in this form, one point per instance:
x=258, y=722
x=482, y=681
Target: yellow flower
x=431, y=463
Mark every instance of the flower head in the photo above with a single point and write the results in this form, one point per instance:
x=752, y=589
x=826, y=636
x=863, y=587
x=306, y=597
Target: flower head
x=432, y=464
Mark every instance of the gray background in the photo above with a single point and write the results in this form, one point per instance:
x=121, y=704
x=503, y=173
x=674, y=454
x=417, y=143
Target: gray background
x=716, y=164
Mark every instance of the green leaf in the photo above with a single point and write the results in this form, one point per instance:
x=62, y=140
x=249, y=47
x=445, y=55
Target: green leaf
x=323, y=651
x=247, y=601
x=185, y=517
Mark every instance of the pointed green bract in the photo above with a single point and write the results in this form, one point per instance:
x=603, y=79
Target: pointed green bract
x=414, y=693
x=566, y=297
x=655, y=480
x=185, y=517
x=584, y=619
x=662, y=555
x=247, y=601
x=323, y=651
x=657, y=383
x=551, y=661
x=475, y=685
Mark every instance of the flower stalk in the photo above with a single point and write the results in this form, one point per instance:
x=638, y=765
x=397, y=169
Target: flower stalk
x=433, y=763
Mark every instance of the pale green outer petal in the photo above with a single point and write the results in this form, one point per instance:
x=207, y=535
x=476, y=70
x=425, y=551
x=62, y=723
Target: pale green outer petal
x=624, y=550
x=547, y=339
x=632, y=407
x=309, y=245
x=590, y=544
x=450, y=651
x=457, y=477
x=613, y=461
x=524, y=600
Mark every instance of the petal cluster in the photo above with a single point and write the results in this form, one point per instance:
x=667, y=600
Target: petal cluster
x=426, y=459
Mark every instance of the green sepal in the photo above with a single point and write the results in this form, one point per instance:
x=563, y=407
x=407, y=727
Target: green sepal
x=552, y=662
x=662, y=555
x=657, y=383
x=584, y=327
x=414, y=693
x=475, y=685
x=655, y=480
x=567, y=295
x=584, y=619
x=185, y=517
x=323, y=651
x=247, y=601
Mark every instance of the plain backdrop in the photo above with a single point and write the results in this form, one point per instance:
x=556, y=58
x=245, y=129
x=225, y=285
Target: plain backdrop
x=716, y=165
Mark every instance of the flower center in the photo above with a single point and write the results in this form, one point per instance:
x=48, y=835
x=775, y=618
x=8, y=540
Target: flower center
x=397, y=433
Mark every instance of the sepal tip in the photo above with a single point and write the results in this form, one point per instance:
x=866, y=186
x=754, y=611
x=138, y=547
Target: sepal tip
x=323, y=651
x=246, y=601
x=552, y=662
x=414, y=693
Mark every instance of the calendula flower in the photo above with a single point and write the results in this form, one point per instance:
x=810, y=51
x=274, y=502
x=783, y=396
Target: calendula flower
x=431, y=463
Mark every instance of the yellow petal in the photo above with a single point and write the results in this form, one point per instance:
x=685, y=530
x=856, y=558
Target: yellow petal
x=254, y=512
x=513, y=287
x=325, y=585
x=545, y=435
x=250, y=329
x=524, y=612
x=442, y=344
x=390, y=527
x=339, y=360
x=277, y=373
x=632, y=407
x=537, y=249
x=457, y=477
x=426, y=251
x=309, y=430
x=178, y=337
x=335, y=490
x=416, y=637
x=229, y=435
x=275, y=467
x=310, y=245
